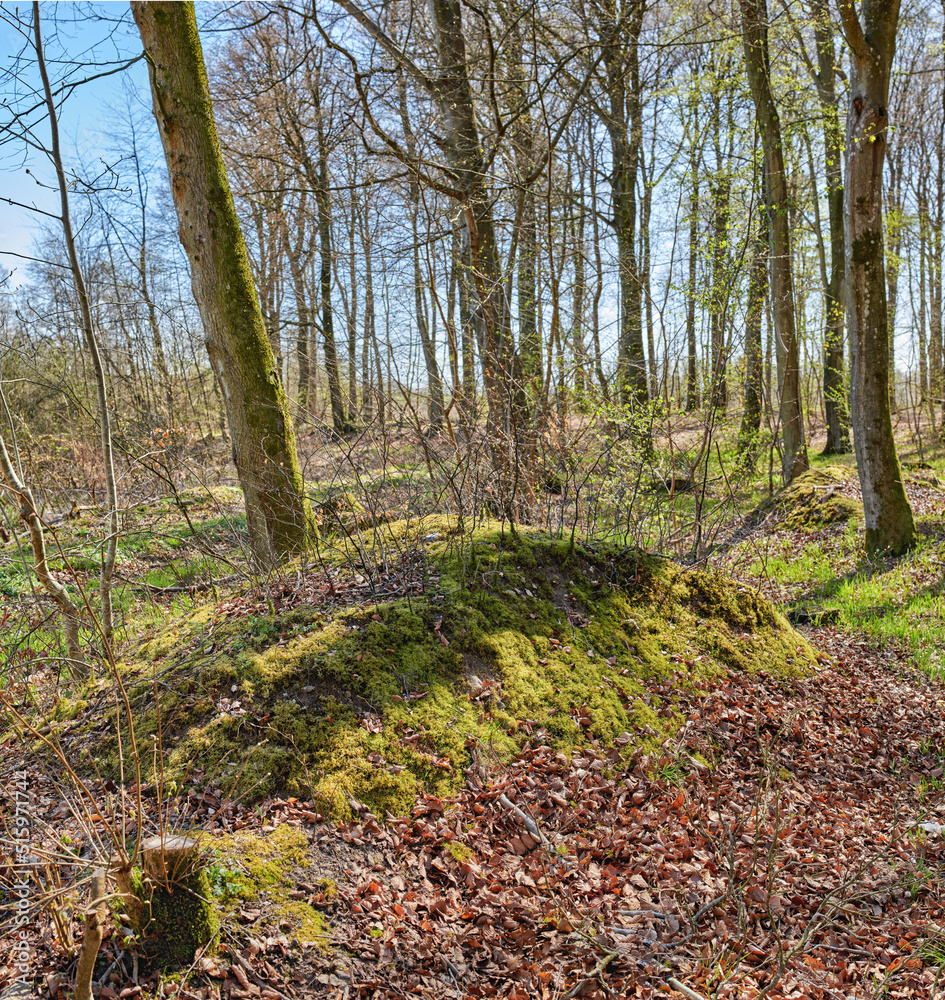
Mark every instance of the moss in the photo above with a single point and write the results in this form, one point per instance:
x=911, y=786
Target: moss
x=329, y=888
x=263, y=866
x=811, y=502
x=460, y=852
x=179, y=920
x=537, y=639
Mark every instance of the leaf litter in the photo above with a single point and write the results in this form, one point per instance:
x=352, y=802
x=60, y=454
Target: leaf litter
x=783, y=844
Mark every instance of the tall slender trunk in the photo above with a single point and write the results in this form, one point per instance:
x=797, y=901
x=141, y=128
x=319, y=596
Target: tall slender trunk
x=467, y=322
x=893, y=241
x=435, y=404
x=754, y=358
x=510, y=413
x=581, y=380
x=922, y=212
x=339, y=419
x=297, y=258
x=645, y=272
x=835, y=402
x=91, y=340
x=352, y=313
x=692, y=372
x=755, y=38
x=260, y=429
x=368, y=331
x=598, y=283
x=530, y=345
x=721, y=210
x=625, y=127
x=889, y=523
x=936, y=345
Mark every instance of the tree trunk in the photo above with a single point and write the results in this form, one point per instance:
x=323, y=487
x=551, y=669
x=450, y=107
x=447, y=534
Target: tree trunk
x=598, y=269
x=889, y=524
x=645, y=276
x=581, y=379
x=754, y=357
x=260, y=429
x=435, y=405
x=692, y=373
x=721, y=275
x=298, y=258
x=352, y=313
x=509, y=411
x=755, y=38
x=922, y=211
x=339, y=421
x=936, y=347
x=835, y=402
x=625, y=126
x=91, y=340
x=893, y=262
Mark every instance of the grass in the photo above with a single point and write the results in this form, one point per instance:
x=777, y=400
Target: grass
x=824, y=574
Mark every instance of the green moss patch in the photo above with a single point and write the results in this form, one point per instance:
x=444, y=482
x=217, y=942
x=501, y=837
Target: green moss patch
x=179, y=921
x=527, y=637
x=812, y=502
x=252, y=868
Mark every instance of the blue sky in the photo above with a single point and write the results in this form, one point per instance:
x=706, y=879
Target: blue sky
x=81, y=40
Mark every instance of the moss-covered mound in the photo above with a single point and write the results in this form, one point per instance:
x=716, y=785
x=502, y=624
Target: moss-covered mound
x=812, y=502
x=521, y=636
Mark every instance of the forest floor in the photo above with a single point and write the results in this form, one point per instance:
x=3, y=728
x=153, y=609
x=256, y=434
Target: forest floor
x=787, y=841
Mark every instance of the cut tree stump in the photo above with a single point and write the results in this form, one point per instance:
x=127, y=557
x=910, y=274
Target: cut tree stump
x=167, y=859
x=169, y=905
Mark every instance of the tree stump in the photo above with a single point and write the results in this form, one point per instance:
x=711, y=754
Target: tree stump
x=169, y=901
x=167, y=859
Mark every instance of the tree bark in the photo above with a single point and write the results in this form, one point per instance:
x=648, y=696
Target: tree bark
x=692, y=373
x=339, y=420
x=893, y=261
x=755, y=38
x=835, y=404
x=754, y=357
x=922, y=212
x=91, y=340
x=435, y=406
x=624, y=123
x=890, y=528
x=298, y=258
x=260, y=429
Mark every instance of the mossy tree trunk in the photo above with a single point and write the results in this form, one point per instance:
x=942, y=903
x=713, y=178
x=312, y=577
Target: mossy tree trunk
x=889, y=524
x=257, y=413
x=755, y=40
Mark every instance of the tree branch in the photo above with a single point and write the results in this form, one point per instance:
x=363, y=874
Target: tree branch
x=852, y=29
x=388, y=44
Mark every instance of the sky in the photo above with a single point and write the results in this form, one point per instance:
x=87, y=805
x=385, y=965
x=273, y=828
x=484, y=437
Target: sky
x=82, y=39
